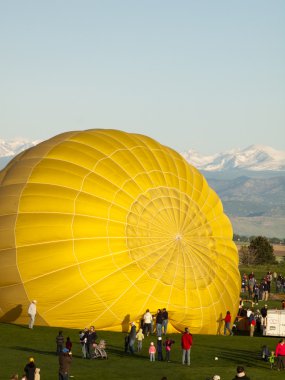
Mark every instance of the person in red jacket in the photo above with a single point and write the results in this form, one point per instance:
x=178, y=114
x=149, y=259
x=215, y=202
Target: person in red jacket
x=280, y=354
x=186, y=344
x=227, y=320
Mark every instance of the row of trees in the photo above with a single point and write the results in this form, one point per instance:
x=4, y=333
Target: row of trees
x=246, y=239
x=259, y=251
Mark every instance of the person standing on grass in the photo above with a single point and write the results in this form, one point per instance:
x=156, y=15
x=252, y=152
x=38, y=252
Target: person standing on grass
x=32, y=311
x=132, y=337
x=186, y=344
x=227, y=320
x=64, y=361
x=159, y=348
x=59, y=342
x=147, y=318
x=30, y=369
x=168, y=343
x=158, y=321
x=139, y=337
x=152, y=351
x=164, y=321
x=280, y=354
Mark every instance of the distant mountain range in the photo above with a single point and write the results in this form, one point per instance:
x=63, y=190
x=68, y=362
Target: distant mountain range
x=250, y=183
x=254, y=158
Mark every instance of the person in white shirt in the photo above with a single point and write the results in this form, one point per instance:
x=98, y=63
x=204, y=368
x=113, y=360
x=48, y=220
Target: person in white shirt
x=32, y=311
x=147, y=318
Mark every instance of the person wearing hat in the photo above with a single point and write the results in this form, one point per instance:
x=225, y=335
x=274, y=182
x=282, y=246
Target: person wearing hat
x=241, y=374
x=64, y=361
x=216, y=377
x=159, y=348
x=30, y=369
x=32, y=311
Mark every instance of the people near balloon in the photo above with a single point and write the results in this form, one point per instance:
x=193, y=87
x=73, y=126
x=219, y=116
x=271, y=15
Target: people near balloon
x=132, y=337
x=158, y=321
x=126, y=343
x=32, y=311
x=83, y=342
x=241, y=374
x=168, y=345
x=68, y=344
x=147, y=320
x=91, y=340
x=140, y=338
x=59, y=342
x=64, y=361
x=159, y=348
x=252, y=324
x=152, y=352
x=227, y=321
x=164, y=321
x=30, y=369
x=186, y=344
x=280, y=354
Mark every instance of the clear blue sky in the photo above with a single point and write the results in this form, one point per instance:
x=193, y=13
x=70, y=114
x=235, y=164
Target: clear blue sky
x=207, y=75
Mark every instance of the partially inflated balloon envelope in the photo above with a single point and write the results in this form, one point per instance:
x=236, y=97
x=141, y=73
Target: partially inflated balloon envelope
x=100, y=225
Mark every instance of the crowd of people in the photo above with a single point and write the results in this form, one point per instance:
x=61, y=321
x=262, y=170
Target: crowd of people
x=155, y=324
x=259, y=290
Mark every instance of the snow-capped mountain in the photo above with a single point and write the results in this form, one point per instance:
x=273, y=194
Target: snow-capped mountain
x=13, y=147
x=254, y=157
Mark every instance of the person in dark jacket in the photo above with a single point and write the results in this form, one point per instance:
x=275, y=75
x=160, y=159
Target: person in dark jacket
x=158, y=320
x=64, y=361
x=159, y=348
x=29, y=369
x=132, y=337
x=241, y=374
x=91, y=340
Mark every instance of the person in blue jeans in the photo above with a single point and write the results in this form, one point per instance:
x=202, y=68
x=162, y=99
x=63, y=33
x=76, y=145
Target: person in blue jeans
x=164, y=321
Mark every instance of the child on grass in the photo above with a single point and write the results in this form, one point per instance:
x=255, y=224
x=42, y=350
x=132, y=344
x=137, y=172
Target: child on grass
x=140, y=337
x=152, y=351
x=168, y=343
x=272, y=359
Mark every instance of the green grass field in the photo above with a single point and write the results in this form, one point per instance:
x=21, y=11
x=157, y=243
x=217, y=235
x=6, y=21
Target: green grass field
x=18, y=343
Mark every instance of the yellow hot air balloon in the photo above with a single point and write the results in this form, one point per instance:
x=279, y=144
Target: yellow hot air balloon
x=100, y=225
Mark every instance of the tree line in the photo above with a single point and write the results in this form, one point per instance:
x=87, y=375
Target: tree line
x=247, y=239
